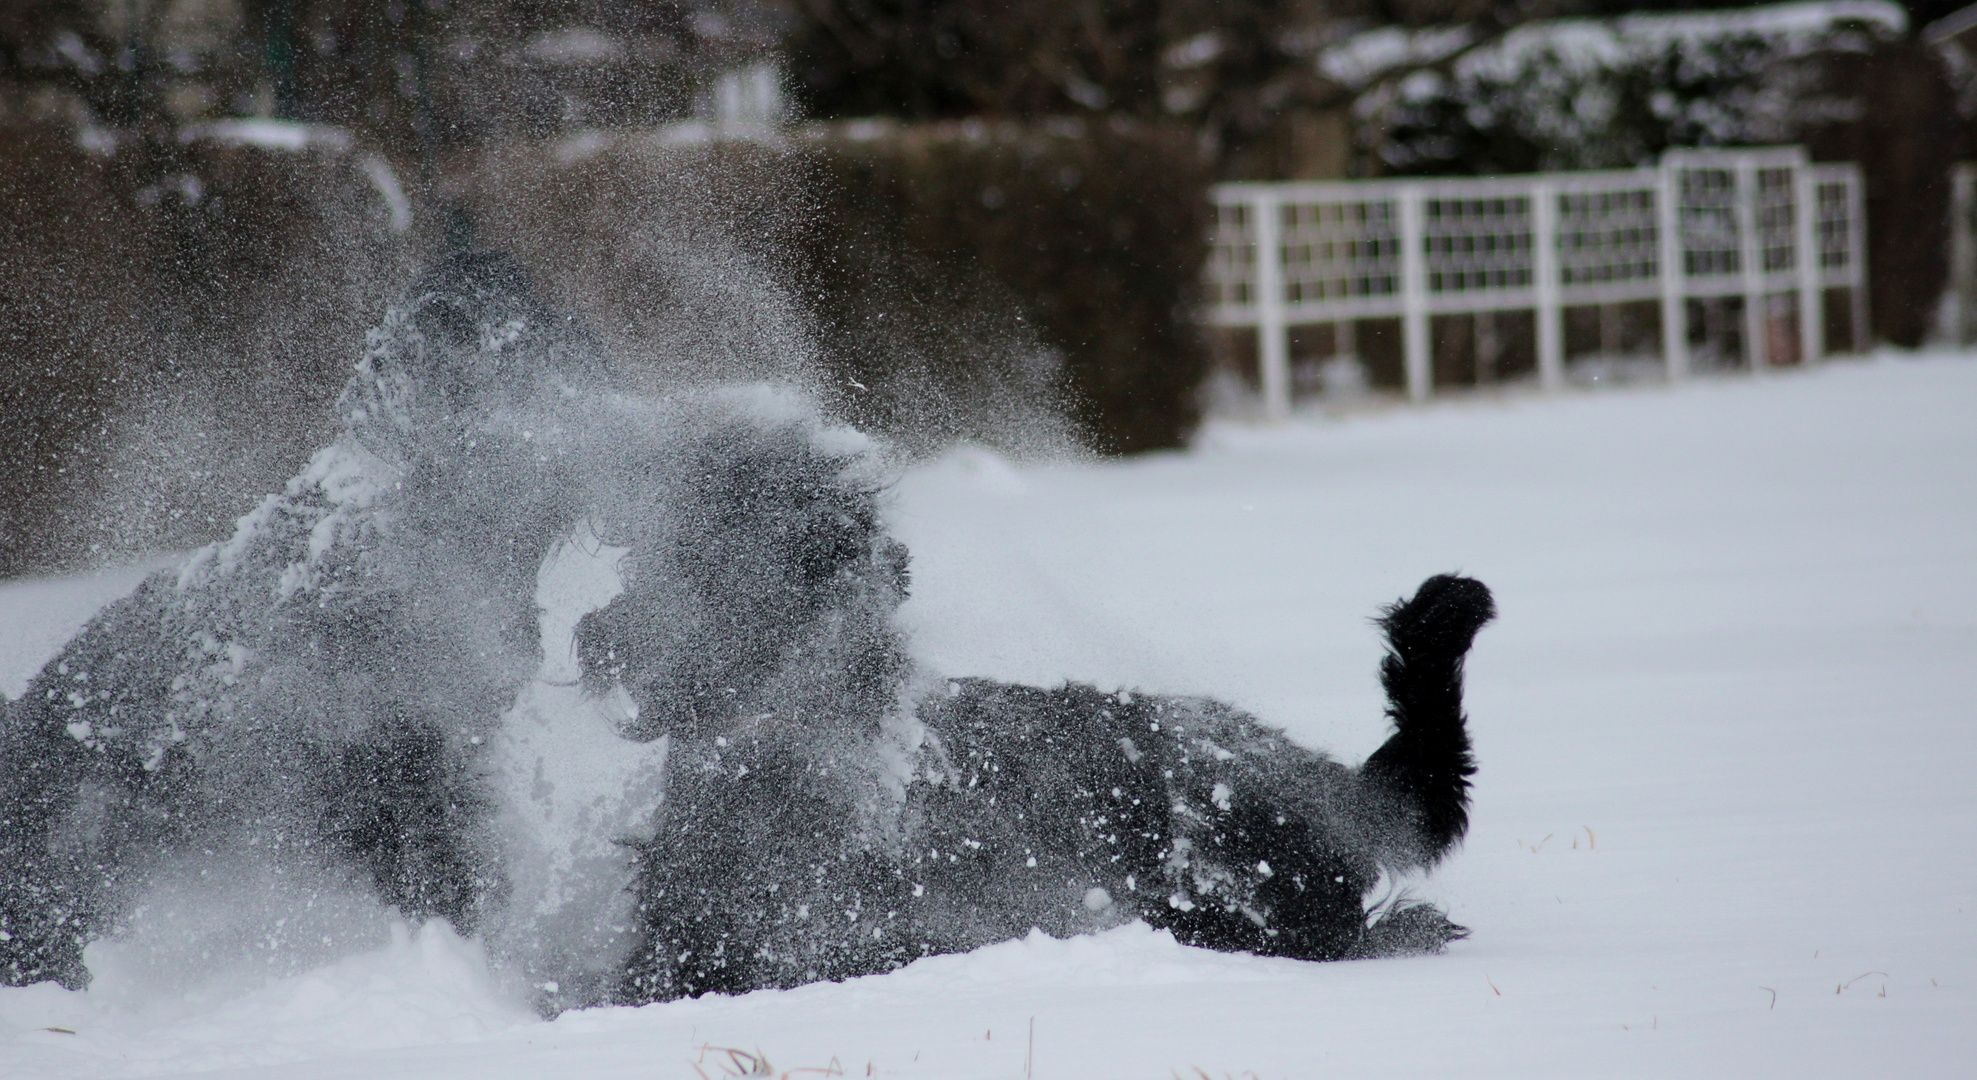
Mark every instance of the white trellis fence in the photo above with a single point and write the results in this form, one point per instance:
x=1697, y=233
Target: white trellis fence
x=1734, y=224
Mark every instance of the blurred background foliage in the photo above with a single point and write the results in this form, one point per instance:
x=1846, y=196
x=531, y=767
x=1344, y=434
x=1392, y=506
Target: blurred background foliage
x=953, y=220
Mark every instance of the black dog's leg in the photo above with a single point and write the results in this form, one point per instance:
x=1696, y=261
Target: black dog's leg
x=48, y=910
x=403, y=804
x=758, y=876
x=1182, y=812
x=1256, y=801
x=89, y=792
x=1427, y=763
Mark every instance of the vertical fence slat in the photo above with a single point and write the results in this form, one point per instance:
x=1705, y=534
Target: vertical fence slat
x=1957, y=316
x=1545, y=276
x=1414, y=295
x=1750, y=263
x=1857, y=258
x=1805, y=260
x=1272, y=330
x=1963, y=255
x=1674, y=304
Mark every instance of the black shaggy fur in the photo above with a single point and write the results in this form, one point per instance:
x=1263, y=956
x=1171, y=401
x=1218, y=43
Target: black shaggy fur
x=328, y=687
x=783, y=860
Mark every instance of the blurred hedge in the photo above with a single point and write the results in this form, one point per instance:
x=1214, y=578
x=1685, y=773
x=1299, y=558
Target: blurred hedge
x=177, y=314
x=946, y=281
x=1091, y=234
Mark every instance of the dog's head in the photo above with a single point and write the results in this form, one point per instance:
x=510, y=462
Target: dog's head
x=470, y=335
x=762, y=586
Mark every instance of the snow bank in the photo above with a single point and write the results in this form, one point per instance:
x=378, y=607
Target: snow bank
x=424, y=985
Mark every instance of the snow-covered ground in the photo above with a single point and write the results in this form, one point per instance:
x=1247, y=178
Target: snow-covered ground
x=1724, y=824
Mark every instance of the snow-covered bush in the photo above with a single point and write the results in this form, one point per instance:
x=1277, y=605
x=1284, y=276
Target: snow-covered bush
x=1841, y=77
x=1607, y=93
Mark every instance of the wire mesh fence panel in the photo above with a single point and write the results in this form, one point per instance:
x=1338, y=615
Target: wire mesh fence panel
x=1231, y=282
x=1834, y=227
x=1777, y=232
x=1712, y=242
x=1840, y=236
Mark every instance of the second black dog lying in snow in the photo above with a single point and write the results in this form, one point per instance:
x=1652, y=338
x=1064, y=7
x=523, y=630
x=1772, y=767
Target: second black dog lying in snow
x=366, y=683
x=831, y=812
x=814, y=828
x=802, y=845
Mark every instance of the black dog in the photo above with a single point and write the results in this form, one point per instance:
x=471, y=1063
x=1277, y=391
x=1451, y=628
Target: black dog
x=348, y=688
x=804, y=841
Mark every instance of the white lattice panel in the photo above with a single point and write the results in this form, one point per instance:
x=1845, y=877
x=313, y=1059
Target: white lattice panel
x=1609, y=240
x=1712, y=242
x=1835, y=224
x=1479, y=244
x=1340, y=250
x=1232, y=257
x=1702, y=225
x=1777, y=227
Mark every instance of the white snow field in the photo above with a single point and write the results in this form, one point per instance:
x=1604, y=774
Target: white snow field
x=1726, y=823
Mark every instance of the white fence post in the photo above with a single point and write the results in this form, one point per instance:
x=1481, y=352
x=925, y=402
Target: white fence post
x=1863, y=334
x=1750, y=255
x=1545, y=279
x=1956, y=299
x=1673, y=270
x=1272, y=330
x=1416, y=343
x=1805, y=260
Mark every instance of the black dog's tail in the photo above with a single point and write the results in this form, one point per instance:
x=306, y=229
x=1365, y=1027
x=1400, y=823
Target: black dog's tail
x=1427, y=763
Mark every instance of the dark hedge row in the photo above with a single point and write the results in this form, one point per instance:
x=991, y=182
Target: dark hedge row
x=938, y=282
x=176, y=316
x=1091, y=234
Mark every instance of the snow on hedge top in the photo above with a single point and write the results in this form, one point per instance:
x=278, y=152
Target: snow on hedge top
x=1592, y=43
x=1366, y=56
x=269, y=134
